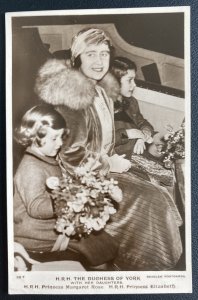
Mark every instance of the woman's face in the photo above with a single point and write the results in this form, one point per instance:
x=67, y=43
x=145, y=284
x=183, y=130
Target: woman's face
x=128, y=83
x=95, y=61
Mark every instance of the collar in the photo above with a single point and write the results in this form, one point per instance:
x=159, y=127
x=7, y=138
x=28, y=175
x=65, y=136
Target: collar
x=125, y=103
x=47, y=159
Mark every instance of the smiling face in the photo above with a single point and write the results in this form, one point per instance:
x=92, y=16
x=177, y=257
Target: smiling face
x=95, y=61
x=128, y=83
x=51, y=142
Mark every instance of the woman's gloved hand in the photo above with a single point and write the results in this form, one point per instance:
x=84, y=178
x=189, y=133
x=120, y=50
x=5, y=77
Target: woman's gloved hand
x=119, y=164
x=139, y=147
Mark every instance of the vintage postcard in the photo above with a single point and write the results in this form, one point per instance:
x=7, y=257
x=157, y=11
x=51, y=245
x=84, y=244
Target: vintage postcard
x=98, y=151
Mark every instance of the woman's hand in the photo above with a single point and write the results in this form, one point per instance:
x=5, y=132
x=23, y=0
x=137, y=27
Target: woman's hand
x=119, y=164
x=139, y=147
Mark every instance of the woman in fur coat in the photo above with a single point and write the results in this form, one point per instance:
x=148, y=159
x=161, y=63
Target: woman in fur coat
x=147, y=222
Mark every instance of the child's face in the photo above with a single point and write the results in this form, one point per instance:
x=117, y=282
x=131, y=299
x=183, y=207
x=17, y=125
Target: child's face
x=52, y=142
x=128, y=83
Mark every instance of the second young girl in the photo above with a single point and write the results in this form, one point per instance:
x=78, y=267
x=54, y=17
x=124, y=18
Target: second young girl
x=134, y=134
x=133, y=131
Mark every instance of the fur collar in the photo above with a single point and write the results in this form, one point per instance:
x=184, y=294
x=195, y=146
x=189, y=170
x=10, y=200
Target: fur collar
x=58, y=84
x=111, y=86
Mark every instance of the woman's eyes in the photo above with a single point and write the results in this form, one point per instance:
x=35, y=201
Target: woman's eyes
x=103, y=54
x=90, y=54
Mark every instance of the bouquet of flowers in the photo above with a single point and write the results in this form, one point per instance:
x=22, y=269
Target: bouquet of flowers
x=83, y=203
x=174, y=147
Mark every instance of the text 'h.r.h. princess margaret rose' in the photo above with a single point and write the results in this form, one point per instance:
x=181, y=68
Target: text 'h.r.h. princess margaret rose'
x=83, y=203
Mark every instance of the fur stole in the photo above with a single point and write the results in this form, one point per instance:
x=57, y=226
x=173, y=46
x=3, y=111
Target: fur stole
x=111, y=86
x=59, y=84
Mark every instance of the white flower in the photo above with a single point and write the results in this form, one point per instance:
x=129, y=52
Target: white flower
x=116, y=194
x=87, y=222
x=63, y=226
x=52, y=182
x=166, y=136
x=88, y=180
x=169, y=128
x=94, y=194
x=105, y=218
x=80, y=171
x=60, y=224
x=110, y=210
x=97, y=185
x=82, y=197
x=77, y=205
x=93, y=223
x=98, y=224
x=82, y=219
x=112, y=180
x=70, y=229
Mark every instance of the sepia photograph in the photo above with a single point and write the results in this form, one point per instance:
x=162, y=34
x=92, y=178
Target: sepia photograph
x=98, y=151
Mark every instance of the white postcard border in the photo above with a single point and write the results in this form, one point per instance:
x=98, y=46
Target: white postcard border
x=56, y=282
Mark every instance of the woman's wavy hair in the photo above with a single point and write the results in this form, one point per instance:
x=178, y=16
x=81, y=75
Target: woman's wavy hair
x=121, y=65
x=35, y=122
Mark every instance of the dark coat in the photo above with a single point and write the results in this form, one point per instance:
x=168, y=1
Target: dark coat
x=34, y=218
x=128, y=116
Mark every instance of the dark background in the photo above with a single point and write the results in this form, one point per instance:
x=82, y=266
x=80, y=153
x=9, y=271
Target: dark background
x=137, y=40
x=146, y=29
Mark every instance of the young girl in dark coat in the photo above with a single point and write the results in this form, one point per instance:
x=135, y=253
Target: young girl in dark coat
x=134, y=134
x=133, y=131
x=41, y=132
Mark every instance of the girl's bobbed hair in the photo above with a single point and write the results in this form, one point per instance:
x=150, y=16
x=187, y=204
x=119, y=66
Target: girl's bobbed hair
x=35, y=122
x=121, y=65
